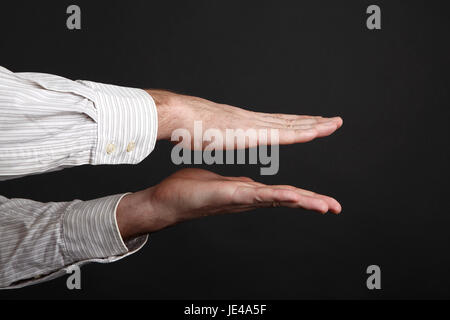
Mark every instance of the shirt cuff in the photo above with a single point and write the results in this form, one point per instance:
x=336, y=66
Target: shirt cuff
x=90, y=231
x=89, y=234
x=127, y=124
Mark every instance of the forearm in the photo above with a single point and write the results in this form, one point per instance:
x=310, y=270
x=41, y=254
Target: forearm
x=168, y=110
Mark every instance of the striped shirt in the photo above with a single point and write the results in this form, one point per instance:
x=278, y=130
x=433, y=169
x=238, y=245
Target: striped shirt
x=48, y=123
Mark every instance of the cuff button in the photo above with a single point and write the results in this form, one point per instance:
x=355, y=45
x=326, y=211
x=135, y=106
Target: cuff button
x=131, y=147
x=110, y=148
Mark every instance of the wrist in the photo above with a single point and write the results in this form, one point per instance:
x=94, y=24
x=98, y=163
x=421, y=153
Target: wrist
x=167, y=116
x=131, y=215
x=139, y=213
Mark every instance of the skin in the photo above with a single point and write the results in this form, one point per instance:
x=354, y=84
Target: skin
x=193, y=193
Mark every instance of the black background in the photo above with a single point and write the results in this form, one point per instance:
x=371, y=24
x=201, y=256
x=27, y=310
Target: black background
x=388, y=164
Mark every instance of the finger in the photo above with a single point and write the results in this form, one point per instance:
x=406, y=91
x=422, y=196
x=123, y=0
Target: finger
x=242, y=179
x=325, y=129
x=291, y=136
x=298, y=125
x=302, y=121
x=249, y=195
x=253, y=195
x=284, y=115
x=297, y=136
x=333, y=205
x=292, y=120
x=242, y=208
x=258, y=195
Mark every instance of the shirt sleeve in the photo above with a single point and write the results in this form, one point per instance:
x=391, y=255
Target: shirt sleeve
x=49, y=123
x=41, y=241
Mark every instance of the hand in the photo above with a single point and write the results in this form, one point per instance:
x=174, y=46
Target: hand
x=192, y=193
x=180, y=111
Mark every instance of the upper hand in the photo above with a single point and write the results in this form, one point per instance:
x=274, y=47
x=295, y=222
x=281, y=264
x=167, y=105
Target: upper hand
x=180, y=111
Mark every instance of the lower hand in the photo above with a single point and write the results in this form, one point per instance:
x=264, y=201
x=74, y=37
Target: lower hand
x=193, y=193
